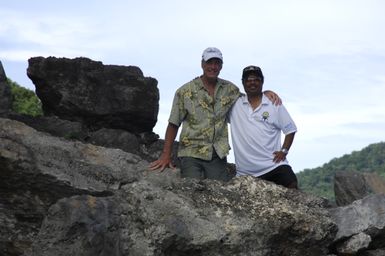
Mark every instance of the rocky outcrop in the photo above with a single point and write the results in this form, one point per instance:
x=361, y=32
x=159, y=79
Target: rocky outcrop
x=375, y=183
x=5, y=93
x=100, y=96
x=361, y=225
x=146, y=145
x=64, y=197
x=350, y=186
x=57, y=76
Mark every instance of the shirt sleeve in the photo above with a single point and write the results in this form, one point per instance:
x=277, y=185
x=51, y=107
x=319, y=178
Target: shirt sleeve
x=178, y=112
x=285, y=121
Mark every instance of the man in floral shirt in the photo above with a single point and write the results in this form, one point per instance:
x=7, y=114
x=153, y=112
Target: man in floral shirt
x=201, y=105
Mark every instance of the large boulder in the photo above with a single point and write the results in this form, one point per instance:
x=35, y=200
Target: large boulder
x=375, y=183
x=5, y=93
x=350, y=186
x=361, y=225
x=147, y=145
x=64, y=197
x=101, y=96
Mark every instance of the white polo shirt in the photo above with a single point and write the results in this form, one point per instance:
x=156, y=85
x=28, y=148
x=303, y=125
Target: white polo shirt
x=256, y=135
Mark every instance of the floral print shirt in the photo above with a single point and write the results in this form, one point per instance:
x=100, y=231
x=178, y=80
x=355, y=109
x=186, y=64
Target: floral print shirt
x=203, y=117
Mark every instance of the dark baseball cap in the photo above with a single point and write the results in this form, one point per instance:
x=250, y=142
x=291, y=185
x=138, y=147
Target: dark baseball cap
x=252, y=70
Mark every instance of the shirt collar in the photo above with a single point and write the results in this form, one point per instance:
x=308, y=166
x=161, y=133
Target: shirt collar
x=201, y=86
x=265, y=100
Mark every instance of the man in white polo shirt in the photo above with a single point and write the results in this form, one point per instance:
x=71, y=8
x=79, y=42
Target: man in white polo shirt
x=256, y=126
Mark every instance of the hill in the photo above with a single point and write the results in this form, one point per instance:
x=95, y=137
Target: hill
x=319, y=181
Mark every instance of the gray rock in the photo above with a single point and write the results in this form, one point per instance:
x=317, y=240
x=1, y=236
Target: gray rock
x=375, y=183
x=362, y=216
x=244, y=217
x=348, y=187
x=114, y=138
x=146, y=145
x=378, y=252
x=53, y=125
x=82, y=225
x=132, y=211
x=354, y=244
x=351, y=186
x=36, y=170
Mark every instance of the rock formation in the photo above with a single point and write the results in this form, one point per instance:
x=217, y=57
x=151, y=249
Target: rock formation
x=76, y=182
x=5, y=93
x=350, y=186
x=361, y=225
x=66, y=197
x=97, y=95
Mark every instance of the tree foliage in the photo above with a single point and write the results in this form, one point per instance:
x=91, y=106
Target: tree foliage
x=319, y=181
x=24, y=101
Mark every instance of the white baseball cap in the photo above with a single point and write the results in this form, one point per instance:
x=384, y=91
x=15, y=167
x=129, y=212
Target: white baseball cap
x=212, y=52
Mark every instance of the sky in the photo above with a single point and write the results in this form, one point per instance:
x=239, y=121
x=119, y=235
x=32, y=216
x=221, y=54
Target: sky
x=324, y=58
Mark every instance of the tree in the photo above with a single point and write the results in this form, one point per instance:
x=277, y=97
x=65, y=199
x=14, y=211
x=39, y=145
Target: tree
x=319, y=181
x=24, y=101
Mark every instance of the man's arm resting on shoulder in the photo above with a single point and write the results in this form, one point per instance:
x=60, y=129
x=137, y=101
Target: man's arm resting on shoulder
x=281, y=155
x=165, y=158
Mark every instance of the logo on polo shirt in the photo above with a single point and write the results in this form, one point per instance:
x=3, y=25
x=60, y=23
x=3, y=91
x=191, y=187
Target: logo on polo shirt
x=265, y=116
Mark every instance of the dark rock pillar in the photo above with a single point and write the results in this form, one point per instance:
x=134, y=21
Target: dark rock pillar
x=97, y=95
x=5, y=93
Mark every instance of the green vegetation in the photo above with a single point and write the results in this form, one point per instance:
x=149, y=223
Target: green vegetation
x=319, y=181
x=24, y=101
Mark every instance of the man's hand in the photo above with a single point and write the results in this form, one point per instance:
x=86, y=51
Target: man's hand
x=279, y=156
x=162, y=163
x=273, y=97
x=165, y=158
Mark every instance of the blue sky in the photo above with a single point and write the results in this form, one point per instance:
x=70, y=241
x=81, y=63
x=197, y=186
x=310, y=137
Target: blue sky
x=325, y=58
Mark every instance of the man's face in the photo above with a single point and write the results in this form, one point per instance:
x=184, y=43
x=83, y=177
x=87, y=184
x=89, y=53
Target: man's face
x=212, y=68
x=252, y=85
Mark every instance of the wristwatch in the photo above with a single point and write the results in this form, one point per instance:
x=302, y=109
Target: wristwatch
x=285, y=151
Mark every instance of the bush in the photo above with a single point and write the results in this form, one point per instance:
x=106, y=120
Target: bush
x=24, y=101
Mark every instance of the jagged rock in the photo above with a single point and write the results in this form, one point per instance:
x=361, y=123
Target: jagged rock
x=375, y=182
x=54, y=126
x=378, y=252
x=114, y=138
x=147, y=145
x=351, y=186
x=354, y=244
x=97, y=95
x=88, y=225
x=5, y=93
x=348, y=187
x=366, y=216
x=152, y=151
x=183, y=217
x=36, y=170
x=132, y=211
x=244, y=217
x=73, y=166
